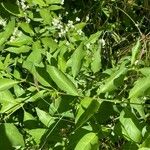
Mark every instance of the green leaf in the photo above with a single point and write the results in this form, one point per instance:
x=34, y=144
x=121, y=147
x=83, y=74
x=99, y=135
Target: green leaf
x=94, y=37
x=88, y=107
x=46, y=15
x=145, y=71
x=10, y=136
x=88, y=142
x=39, y=2
x=114, y=81
x=44, y=117
x=138, y=104
x=49, y=43
x=37, y=134
x=130, y=126
x=18, y=50
x=62, y=81
x=55, y=7
x=96, y=63
x=140, y=88
x=26, y=27
x=31, y=60
x=76, y=59
x=21, y=40
x=6, y=84
x=146, y=143
x=8, y=31
x=42, y=76
x=53, y=1
x=11, y=7
x=7, y=101
x=39, y=95
x=135, y=51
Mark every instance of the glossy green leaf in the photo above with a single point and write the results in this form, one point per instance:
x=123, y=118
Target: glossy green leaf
x=114, y=81
x=76, y=58
x=21, y=40
x=88, y=107
x=45, y=117
x=8, y=31
x=6, y=84
x=135, y=51
x=37, y=134
x=145, y=71
x=46, y=15
x=28, y=116
x=88, y=142
x=94, y=37
x=53, y=1
x=130, y=126
x=62, y=81
x=140, y=88
x=39, y=95
x=39, y=2
x=26, y=27
x=55, y=7
x=49, y=43
x=10, y=136
x=18, y=50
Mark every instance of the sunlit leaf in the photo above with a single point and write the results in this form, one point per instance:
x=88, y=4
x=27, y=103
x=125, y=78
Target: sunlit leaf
x=135, y=51
x=88, y=142
x=6, y=84
x=8, y=31
x=62, y=81
x=45, y=117
x=130, y=126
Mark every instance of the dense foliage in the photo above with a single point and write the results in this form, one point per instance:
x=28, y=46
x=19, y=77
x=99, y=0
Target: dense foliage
x=75, y=74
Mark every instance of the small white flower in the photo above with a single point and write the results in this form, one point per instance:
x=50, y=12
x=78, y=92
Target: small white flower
x=2, y=22
x=55, y=22
x=87, y=18
x=56, y=40
x=77, y=19
x=62, y=2
x=67, y=43
x=28, y=20
x=102, y=41
x=79, y=32
x=66, y=13
x=88, y=46
x=70, y=24
x=59, y=26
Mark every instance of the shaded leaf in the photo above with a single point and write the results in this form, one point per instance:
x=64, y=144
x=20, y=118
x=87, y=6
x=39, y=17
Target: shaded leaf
x=88, y=107
x=10, y=136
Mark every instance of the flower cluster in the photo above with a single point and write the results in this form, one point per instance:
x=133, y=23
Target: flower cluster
x=2, y=22
x=16, y=33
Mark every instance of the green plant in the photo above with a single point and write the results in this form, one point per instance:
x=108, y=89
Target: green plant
x=74, y=75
